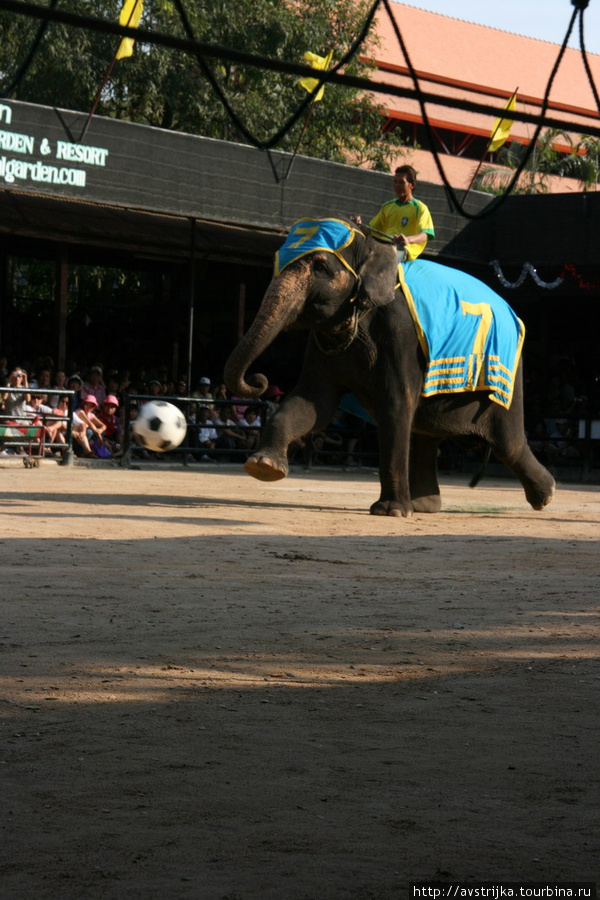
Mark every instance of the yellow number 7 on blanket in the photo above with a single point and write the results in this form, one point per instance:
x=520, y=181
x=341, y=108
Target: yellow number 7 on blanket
x=485, y=311
x=307, y=231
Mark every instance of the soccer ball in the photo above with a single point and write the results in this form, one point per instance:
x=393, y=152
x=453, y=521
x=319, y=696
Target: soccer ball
x=160, y=426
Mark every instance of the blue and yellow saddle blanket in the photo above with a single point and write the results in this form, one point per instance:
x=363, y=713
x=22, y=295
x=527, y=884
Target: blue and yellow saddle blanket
x=470, y=336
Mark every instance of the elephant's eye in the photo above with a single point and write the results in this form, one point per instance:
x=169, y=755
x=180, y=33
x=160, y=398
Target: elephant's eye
x=320, y=265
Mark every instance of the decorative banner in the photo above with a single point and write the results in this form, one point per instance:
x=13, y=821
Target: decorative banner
x=317, y=62
x=501, y=130
x=130, y=17
x=529, y=269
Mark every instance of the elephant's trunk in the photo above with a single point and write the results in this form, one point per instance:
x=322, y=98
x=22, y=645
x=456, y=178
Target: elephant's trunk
x=280, y=306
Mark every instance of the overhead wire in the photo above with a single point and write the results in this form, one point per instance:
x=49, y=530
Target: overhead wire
x=581, y=7
x=322, y=78
x=455, y=203
x=201, y=50
x=215, y=51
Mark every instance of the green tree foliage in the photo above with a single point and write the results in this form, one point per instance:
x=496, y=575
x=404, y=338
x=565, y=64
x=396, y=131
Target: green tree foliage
x=169, y=89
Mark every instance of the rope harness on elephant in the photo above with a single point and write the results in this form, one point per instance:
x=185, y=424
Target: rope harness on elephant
x=349, y=328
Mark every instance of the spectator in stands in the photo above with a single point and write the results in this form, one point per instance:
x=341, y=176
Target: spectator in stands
x=207, y=433
x=95, y=427
x=179, y=398
x=14, y=402
x=94, y=385
x=203, y=393
x=251, y=424
x=113, y=384
x=44, y=379
x=203, y=390
x=327, y=446
x=112, y=433
x=337, y=436
x=560, y=445
x=273, y=396
x=74, y=383
x=155, y=387
x=78, y=427
x=220, y=394
x=125, y=385
x=59, y=381
x=37, y=410
x=81, y=443
x=225, y=422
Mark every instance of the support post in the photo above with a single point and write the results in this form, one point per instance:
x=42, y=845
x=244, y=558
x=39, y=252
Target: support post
x=241, y=311
x=191, y=294
x=61, y=296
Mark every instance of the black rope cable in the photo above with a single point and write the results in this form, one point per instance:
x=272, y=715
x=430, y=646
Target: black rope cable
x=261, y=62
x=24, y=68
x=581, y=8
x=199, y=50
x=322, y=79
x=499, y=200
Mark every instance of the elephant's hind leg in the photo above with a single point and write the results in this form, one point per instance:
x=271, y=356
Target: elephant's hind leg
x=424, y=487
x=537, y=481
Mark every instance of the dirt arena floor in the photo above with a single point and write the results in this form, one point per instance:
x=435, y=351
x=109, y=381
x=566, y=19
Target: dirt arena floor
x=217, y=689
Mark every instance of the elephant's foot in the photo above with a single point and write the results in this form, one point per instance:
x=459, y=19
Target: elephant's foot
x=265, y=468
x=540, y=495
x=430, y=504
x=390, y=508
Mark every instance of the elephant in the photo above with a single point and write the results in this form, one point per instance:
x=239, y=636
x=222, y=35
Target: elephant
x=342, y=283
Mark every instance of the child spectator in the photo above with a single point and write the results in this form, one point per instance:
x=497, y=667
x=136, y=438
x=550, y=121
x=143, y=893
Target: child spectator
x=109, y=417
x=95, y=427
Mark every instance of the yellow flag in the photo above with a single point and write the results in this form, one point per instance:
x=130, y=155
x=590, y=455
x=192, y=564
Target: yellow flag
x=130, y=17
x=501, y=130
x=317, y=62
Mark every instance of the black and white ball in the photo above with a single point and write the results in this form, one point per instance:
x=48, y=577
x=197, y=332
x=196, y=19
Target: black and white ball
x=160, y=426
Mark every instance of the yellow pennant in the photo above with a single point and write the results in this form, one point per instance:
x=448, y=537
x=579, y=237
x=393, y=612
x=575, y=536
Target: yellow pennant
x=501, y=130
x=130, y=17
x=317, y=62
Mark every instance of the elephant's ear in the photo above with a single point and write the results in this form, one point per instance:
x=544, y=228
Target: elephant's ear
x=378, y=276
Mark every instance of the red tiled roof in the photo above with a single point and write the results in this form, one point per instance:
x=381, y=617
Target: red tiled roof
x=475, y=62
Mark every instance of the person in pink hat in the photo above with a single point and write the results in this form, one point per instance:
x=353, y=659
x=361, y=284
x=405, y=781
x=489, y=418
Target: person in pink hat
x=95, y=427
x=110, y=417
x=273, y=396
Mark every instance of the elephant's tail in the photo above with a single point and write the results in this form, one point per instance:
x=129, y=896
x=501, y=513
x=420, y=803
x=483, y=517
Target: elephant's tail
x=479, y=475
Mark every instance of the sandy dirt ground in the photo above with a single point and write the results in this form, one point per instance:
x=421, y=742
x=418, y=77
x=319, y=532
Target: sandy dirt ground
x=217, y=689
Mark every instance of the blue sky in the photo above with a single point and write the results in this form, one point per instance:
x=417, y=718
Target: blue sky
x=548, y=20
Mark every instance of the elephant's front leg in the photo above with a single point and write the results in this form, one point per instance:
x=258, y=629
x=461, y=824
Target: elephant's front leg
x=296, y=417
x=394, y=445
